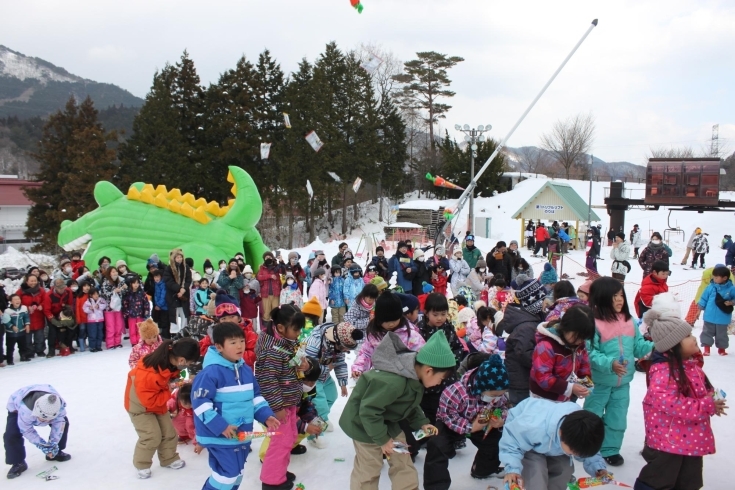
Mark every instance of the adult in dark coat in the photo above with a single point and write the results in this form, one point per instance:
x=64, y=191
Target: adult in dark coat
x=498, y=262
x=423, y=274
x=177, y=277
x=381, y=263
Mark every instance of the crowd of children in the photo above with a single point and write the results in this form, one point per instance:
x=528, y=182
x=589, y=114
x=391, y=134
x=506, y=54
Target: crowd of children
x=501, y=365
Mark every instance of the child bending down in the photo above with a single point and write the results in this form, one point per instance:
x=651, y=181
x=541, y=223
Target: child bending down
x=226, y=399
x=481, y=332
x=465, y=409
x=677, y=408
x=385, y=396
x=539, y=439
x=182, y=415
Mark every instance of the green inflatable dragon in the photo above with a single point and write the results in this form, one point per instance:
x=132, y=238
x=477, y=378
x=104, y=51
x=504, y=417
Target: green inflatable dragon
x=156, y=220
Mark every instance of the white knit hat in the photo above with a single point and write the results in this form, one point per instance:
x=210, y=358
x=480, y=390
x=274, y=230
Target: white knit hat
x=666, y=305
x=47, y=407
x=465, y=315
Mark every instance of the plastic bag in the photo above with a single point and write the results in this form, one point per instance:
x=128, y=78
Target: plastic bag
x=115, y=302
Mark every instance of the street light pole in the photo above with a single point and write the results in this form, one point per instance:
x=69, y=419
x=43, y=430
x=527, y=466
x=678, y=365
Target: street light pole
x=589, y=202
x=473, y=136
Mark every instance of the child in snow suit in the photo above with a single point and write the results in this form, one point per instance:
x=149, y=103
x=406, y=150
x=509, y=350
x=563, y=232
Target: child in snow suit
x=560, y=357
x=308, y=423
x=653, y=284
x=717, y=303
x=328, y=343
x=463, y=410
x=616, y=345
x=362, y=307
x=182, y=415
x=353, y=284
x=275, y=371
x=16, y=323
x=135, y=308
x=677, y=408
x=481, y=332
x=538, y=437
x=291, y=294
x=146, y=396
x=337, y=296
x=112, y=290
x=226, y=398
x=389, y=317
x=226, y=311
x=387, y=395
x=439, y=279
x=95, y=307
x=149, y=341
x=160, y=305
x=201, y=297
x=312, y=312
x=30, y=407
x=549, y=277
x=700, y=247
x=564, y=298
x=81, y=317
x=318, y=290
x=250, y=301
x=61, y=331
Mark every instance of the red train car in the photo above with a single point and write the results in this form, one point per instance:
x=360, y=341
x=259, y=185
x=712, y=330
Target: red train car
x=683, y=181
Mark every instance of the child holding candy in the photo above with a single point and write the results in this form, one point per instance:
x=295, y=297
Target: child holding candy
x=677, y=408
x=182, y=415
x=466, y=408
x=615, y=345
x=226, y=398
x=560, y=359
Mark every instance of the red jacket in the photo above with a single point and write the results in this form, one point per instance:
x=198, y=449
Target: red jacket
x=79, y=315
x=553, y=363
x=249, y=304
x=58, y=301
x=75, y=265
x=542, y=234
x=33, y=302
x=650, y=287
x=440, y=284
x=251, y=338
x=268, y=285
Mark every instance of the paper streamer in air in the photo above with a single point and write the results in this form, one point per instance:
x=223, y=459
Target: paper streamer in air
x=314, y=141
x=357, y=184
x=265, y=150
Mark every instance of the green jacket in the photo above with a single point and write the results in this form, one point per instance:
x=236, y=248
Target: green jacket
x=471, y=256
x=612, y=340
x=389, y=393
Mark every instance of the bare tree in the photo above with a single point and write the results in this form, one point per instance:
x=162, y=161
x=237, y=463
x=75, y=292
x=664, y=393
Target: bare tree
x=570, y=140
x=382, y=76
x=672, y=152
x=533, y=160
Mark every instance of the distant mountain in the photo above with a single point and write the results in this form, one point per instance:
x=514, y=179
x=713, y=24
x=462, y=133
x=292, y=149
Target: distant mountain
x=34, y=87
x=529, y=158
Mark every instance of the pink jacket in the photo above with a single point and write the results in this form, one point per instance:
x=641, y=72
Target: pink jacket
x=140, y=350
x=319, y=290
x=676, y=423
x=484, y=341
x=409, y=335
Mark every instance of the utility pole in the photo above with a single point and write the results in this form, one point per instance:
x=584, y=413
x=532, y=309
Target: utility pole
x=472, y=137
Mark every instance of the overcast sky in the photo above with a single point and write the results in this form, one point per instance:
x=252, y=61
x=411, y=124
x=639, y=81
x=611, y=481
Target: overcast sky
x=653, y=73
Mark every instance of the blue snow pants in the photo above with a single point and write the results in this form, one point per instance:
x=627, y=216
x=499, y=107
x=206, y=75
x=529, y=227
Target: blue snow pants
x=227, y=464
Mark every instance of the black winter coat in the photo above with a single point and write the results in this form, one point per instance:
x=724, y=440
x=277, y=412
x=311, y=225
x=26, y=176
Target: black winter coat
x=173, y=287
x=422, y=275
x=519, y=346
x=499, y=266
x=426, y=332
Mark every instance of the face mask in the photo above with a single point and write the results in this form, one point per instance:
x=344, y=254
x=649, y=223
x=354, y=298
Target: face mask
x=655, y=242
x=294, y=261
x=306, y=388
x=75, y=288
x=289, y=282
x=67, y=270
x=44, y=278
x=323, y=277
x=248, y=275
x=421, y=259
x=208, y=270
x=482, y=269
x=269, y=262
x=490, y=399
x=113, y=277
x=246, y=290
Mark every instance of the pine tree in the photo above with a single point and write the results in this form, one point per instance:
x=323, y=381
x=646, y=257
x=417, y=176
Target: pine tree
x=74, y=156
x=456, y=167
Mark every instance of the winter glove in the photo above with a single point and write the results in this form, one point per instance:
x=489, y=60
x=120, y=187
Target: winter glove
x=47, y=448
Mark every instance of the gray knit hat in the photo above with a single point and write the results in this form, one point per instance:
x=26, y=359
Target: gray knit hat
x=530, y=294
x=666, y=331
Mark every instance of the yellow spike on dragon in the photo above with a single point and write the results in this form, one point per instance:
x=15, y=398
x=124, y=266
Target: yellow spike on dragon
x=156, y=220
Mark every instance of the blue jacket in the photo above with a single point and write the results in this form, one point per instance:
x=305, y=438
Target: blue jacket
x=563, y=235
x=27, y=422
x=352, y=288
x=225, y=393
x=399, y=263
x=16, y=318
x=159, y=298
x=533, y=425
x=712, y=313
x=201, y=300
x=336, y=293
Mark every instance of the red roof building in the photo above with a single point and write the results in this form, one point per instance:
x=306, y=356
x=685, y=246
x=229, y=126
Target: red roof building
x=14, y=207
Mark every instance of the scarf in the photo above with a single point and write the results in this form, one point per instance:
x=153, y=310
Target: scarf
x=31, y=290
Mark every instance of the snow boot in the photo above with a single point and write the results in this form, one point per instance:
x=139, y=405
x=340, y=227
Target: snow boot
x=287, y=485
x=17, y=469
x=60, y=456
x=706, y=350
x=298, y=449
x=722, y=352
x=614, y=460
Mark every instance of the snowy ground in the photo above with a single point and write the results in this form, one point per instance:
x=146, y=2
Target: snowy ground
x=102, y=439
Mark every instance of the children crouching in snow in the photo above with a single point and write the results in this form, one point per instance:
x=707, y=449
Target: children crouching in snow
x=481, y=331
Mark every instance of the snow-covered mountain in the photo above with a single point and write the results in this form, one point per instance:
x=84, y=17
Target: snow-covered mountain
x=17, y=65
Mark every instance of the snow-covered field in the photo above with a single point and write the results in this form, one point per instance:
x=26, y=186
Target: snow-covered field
x=101, y=438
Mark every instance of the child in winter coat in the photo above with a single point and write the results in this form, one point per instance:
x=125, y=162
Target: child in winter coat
x=182, y=415
x=700, y=247
x=312, y=312
x=16, y=324
x=548, y=277
x=538, y=437
x=362, y=307
x=464, y=410
x=291, y=294
x=249, y=302
x=146, y=396
x=160, y=305
x=135, y=308
x=353, y=284
x=677, y=408
x=81, y=317
x=560, y=361
x=386, y=396
x=309, y=423
x=564, y=298
x=201, y=297
x=112, y=290
x=460, y=270
x=149, y=341
x=318, y=290
x=328, y=343
x=30, y=407
x=226, y=311
x=653, y=284
x=481, y=332
x=337, y=296
x=61, y=332
x=439, y=279
x=275, y=371
x=370, y=273
x=95, y=307
x=616, y=345
x=389, y=317
x=226, y=398
x=717, y=303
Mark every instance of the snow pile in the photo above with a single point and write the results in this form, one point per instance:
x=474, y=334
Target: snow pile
x=20, y=260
